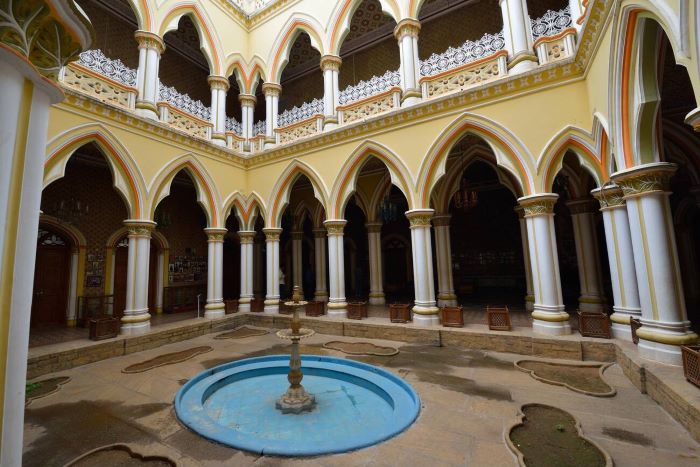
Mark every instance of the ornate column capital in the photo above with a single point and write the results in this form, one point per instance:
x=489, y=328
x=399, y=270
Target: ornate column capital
x=407, y=27
x=442, y=220
x=297, y=235
x=272, y=234
x=540, y=204
x=374, y=227
x=320, y=233
x=247, y=100
x=246, y=236
x=335, y=227
x=609, y=196
x=149, y=40
x=420, y=217
x=45, y=33
x=218, y=82
x=139, y=227
x=693, y=119
x=271, y=89
x=331, y=62
x=215, y=234
x=580, y=206
x=644, y=179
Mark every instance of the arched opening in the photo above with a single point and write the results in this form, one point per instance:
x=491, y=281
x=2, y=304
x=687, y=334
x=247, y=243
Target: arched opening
x=301, y=80
x=232, y=259
x=356, y=253
x=52, y=279
x=181, y=220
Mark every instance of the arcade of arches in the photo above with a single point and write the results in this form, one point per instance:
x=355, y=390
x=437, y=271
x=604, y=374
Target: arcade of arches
x=537, y=154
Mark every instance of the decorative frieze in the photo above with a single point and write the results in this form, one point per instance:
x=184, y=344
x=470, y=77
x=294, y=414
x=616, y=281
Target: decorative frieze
x=301, y=130
x=86, y=81
x=466, y=77
x=369, y=107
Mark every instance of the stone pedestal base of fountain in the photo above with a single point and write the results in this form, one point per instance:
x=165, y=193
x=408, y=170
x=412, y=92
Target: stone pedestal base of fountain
x=296, y=400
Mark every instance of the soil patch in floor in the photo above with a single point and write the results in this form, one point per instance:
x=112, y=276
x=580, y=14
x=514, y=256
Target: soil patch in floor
x=361, y=348
x=586, y=379
x=241, y=333
x=122, y=456
x=628, y=436
x=44, y=388
x=549, y=437
x=167, y=359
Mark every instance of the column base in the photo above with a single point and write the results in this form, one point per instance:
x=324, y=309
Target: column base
x=592, y=304
x=552, y=328
x=426, y=320
x=662, y=344
x=551, y=320
x=337, y=308
x=214, y=310
x=448, y=299
x=621, y=322
x=377, y=298
x=529, y=303
x=622, y=332
x=147, y=112
x=321, y=296
x=272, y=305
x=159, y=310
x=137, y=322
x=522, y=62
x=244, y=303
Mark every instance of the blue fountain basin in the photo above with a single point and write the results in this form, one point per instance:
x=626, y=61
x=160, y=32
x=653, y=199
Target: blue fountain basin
x=357, y=405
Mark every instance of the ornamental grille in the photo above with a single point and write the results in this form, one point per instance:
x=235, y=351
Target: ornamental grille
x=97, y=61
x=468, y=52
x=184, y=102
x=373, y=86
x=233, y=125
x=297, y=114
x=259, y=128
x=552, y=23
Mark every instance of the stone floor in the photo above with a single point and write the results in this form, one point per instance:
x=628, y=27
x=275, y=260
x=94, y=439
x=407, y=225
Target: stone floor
x=468, y=399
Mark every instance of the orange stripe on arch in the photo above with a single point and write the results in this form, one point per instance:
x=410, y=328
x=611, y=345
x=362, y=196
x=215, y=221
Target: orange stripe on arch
x=215, y=217
x=625, y=98
x=339, y=20
x=459, y=133
x=275, y=207
x=296, y=24
x=193, y=8
x=549, y=178
x=144, y=5
x=122, y=165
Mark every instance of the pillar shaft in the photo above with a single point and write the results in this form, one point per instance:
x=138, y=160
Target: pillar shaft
x=376, y=268
x=160, y=280
x=548, y=313
x=219, y=86
x=215, y=273
x=425, y=311
x=136, y=319
x=337, y=306
x=406, y=33
x=443, y=251
x=529, y=290
x=247, y=108
x=518, y=35
x=247, y=238
x=272, y=97
x=272, y=297
x=151, y=46
x=623, y=275
x=664, y=321
x=321, y=292
x=297, y=270
x=330, y=65
x=258, y=269
x=587, y=255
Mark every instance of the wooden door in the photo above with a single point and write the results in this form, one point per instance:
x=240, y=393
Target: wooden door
x=51, y=283
x=121, y=258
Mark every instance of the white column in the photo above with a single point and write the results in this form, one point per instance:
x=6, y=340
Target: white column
x=215, y=306
x=376, y=270
x=26, y=96
x=160, y=278
x=219, y=86
x=330, y=65
x=548, y=315
x=73, y=289
x=425, y=313
x=321, y=293
x=297, y=270
x=577, y=11
x=258, y=269
x=517, y=33
x=247, y=107
x=587, y=255
x=272, y=98
x=406, y=33
x=272, y=299
x=623, y=275
x=151, y=46
x=337, y=305
x=247, y=238
x=664, y=321
x=137, y=319
x=443, y=251
x=529, y=293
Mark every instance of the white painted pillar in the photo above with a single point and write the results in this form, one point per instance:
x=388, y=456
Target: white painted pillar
x=406, y=33
x=27, y=88
x=321, y=292
x=219, y=86
x=137, y=319
x=330, y=65
x=425, y=311
x=577, y=11
x=664, y=320
x=272, y=98
x=247, y=108
x=517, y=33
x=151, y=46
x=623, y=275
x=337, y=306
x=71, y=312
x=160, y=279
x=376, y=269
x=529, y=293
x=272, y=299
x=587, y=255
x=258, y=269
x=215, y=306
x=246, y=238
x=548, y=313
x=443, y=251
x=297, y=271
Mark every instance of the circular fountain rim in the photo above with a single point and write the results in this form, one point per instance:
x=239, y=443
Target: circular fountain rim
x=189, y=403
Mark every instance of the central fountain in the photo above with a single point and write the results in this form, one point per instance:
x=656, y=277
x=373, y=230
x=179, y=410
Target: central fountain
x=350, y=405
x=296, y=399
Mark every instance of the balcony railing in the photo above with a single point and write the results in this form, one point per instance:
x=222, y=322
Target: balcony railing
x=259, y=128
x=183, y=102
x=303, y=112
x=551, y=23
x=469, y=52
x=373, y=86
x=234, y=126
x=98, y=62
